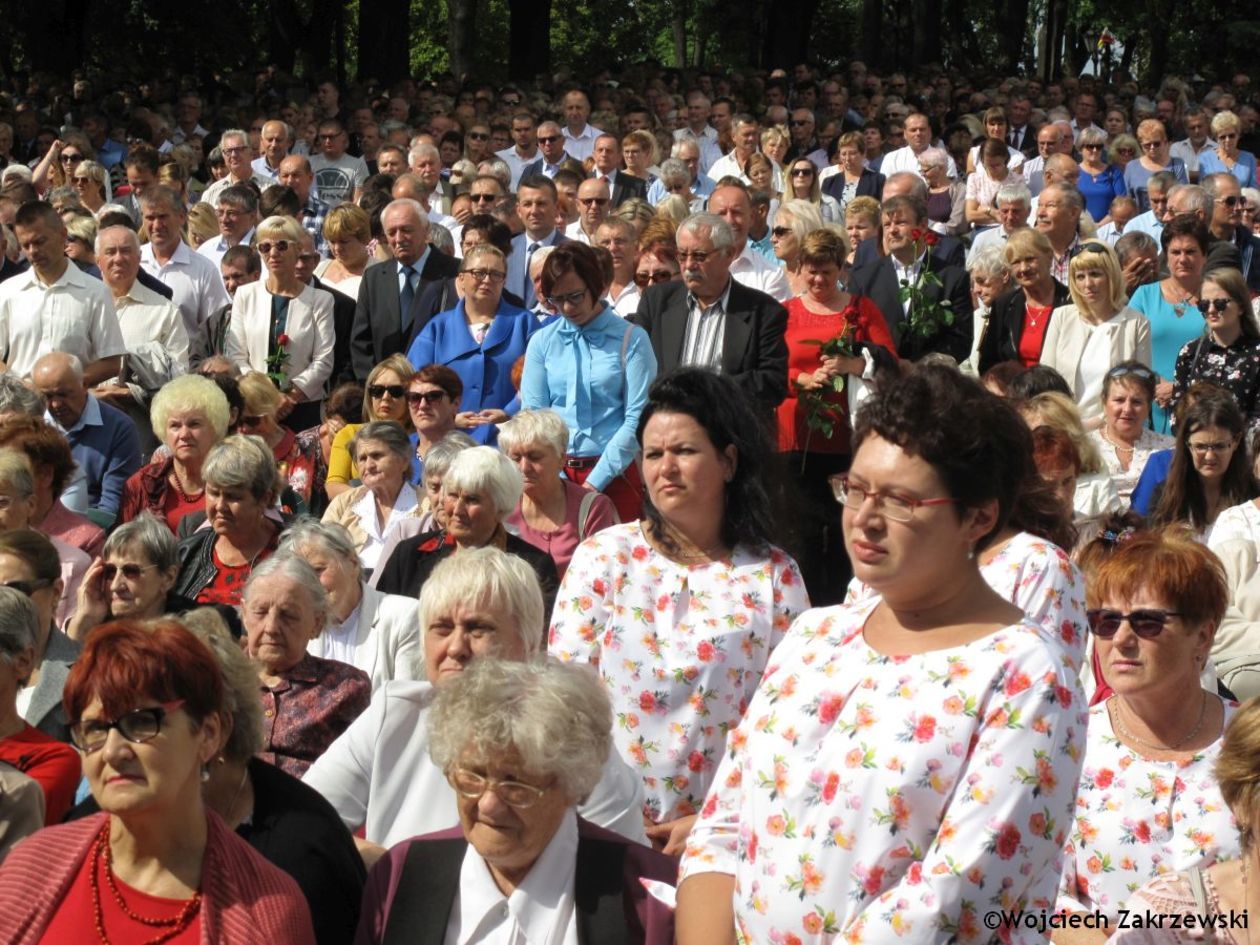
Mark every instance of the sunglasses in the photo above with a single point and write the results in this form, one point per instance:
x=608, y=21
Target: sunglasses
x=70, y=158
x=131, y=572
x=251, y=421
x=1125, y=371
x=1093, y=248
x=477, y=136
x=592, y=201
x=802, y=172
x=483, y=198
x=1231, y=201
x=280, y=246
x=781, y=231
x=417, y=397
x=377, y=391
x=28, y=587
x=1208, y=305
x=548, y=139
x=1146, y=624
x=656, y=277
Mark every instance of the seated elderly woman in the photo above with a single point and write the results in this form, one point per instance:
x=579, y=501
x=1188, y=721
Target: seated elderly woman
x=521, y=744
x=554, y=515
x=386, y=399
x=238, y=530
x=296, y=461
x=990, y=279
x=480, y=490
x=382, y=452
x=17, y=510
x=190, y=415
x=376, y=632
x=1148, y=801
x=308, y=701
x=379, y=776
x=148, y=715
x=1125, y=440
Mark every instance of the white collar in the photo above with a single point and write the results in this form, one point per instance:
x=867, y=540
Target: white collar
x=91, y=416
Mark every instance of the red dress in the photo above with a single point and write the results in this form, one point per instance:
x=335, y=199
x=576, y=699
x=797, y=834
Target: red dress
x=804, y=326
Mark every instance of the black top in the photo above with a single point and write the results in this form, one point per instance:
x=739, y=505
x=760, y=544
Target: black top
x=294, y=828
x=1005, y=327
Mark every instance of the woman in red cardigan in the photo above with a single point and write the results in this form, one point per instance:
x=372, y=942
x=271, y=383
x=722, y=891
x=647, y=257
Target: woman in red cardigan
x=147, y=711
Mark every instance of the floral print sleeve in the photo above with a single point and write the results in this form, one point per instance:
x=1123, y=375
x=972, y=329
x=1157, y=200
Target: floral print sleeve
x=681, y=650
x=871, y=798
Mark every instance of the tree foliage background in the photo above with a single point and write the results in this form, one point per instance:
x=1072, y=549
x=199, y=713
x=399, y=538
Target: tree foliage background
x=496, y=40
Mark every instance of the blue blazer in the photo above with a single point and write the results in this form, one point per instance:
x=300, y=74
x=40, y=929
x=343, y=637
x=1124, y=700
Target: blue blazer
x=486, y=370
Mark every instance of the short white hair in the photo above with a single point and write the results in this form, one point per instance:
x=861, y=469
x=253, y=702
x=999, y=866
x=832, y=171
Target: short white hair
x=485, y=471
x=535, y=427
x=536, y=261
x=409, y=204
x=989, y=262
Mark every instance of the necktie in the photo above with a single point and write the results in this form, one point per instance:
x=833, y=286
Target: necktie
x=527, y=290
x=407, y=296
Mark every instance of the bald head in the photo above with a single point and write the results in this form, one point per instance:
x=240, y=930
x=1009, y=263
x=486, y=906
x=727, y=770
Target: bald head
x=59, y=377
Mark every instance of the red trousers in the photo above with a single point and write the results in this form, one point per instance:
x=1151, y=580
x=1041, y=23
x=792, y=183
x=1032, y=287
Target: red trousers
x=625, y=491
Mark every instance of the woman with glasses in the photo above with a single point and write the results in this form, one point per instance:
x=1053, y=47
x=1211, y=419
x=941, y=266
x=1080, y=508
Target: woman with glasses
x=1148, y=801
x=639, y=151
x=593, y=368
x=802, y=184
x=522, y=745
x=283, y=327
x=89, y=182
x=347, y=230
x=852, y=177
x=1227, y=158
x=1170, y=306
x=1153, y=140
x=1100, y=182
x=1098, y=330
x=1123, y=150
x=58, y=165
x=1227, y=354
x=904, y=758
x=479, y=339
x=296, y=461
x=1124, y=441
x=793, y=222
x=656, y=264
x=150, y=717
x=434, y=396
x=386, y=399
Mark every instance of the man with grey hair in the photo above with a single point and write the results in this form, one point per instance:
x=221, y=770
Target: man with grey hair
x=237, y=211
x=687, y=152
x=949, y=250
x=384, y=316
x=1139, y=259
x=1226, y=225
x=1151, y=222
x=234, y=144
x=18, y=397
x=552, y=153
x=711, y=320
x=1049, y=143
x=276, y=138
x=425, y=163
x=747, y=136
x=1012, y=201
x=1059, y=209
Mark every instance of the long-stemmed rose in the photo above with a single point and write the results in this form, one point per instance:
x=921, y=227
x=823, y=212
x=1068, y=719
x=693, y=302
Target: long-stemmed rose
x=276, y=362
x=927, y=314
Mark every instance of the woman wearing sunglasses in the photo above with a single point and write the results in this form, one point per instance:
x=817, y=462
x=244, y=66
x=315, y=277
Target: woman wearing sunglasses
x=1148, y=800
x=150, y=716
x=284, y=327
x=60, y=161
x=1156, y=156
x=296, y=460
x=479, y=339
x=386, y=400
x=88, y=181
x=793, y=222
x=1227, y=158
x=1227, y=354
x=802, y=184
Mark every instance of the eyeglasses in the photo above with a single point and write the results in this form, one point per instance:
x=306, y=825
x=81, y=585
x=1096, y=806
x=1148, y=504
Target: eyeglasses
x=1093, y=248
x=485, y=275
x=781, y=231
x=377, y=391
x=29, y=587
x=569, y=298
x=483, y=198
x=512, y=793
x=1091, y=147
x=548, y=139
x=655, y=277
x=139, y=725
x=1227, y=136
x=236, y=150
x=82, y=178
x=417, y=397
x=799, y=122
x=1152, y=145
x=1231, y=201
x=333, y=136
x=1208, y=305
x=592, y=201
x=1146, y=624
x=1128, y=151
x=477, y=136
x=280, y=246
x=68, y=158
x=1202, y=449
x=896, y=508
x=131, y=572
x=802, y=172
x=251, y=421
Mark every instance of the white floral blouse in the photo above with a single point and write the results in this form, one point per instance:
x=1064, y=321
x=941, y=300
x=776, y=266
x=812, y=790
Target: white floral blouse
x=681, y=650
x=1137, y=818
x=1126, y=480
x=869, y=798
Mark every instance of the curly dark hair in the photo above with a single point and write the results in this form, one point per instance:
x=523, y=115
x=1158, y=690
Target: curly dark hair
x=983, y=452
x=729, y=418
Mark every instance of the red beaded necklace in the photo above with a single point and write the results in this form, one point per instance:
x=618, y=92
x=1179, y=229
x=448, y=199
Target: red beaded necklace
x=172, y=926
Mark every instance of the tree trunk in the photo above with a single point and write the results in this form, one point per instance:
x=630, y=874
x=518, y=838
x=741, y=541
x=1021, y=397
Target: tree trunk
x=529, y=39
x=462, y=26
x=318, y=50
x=285, y=33
x=384, y=40
x=1013, y=26
x=871, y=34
x=678, y=28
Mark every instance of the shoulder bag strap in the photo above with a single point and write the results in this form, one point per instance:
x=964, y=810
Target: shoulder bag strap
x=584, y=510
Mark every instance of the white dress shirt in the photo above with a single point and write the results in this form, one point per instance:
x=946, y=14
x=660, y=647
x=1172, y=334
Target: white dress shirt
x=574, y=231
x=516, y=162
x=75, y=315
x=197, y=290
x=211, y=194
x=214, y=248
x=337, y=641
x=755, y=271
x=906, y=274
x=540, y=911
x=582, y=144
x=370, y=553
x=729, y=166
x=147, y=318
x=1189, y=154
x=905, y=159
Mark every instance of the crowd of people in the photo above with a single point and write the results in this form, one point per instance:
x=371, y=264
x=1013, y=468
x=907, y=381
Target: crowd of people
x=799, y=507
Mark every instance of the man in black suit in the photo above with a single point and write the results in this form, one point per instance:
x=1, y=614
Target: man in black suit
x=947, y=250
x=384, y=317
x=343, y=310
x=881, y=281
x=607, y=160
x=1020, y=134
x=710, y=320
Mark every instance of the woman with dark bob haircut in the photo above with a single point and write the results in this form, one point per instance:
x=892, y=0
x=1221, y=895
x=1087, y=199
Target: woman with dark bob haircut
x=925, y=728
x=149, y=715
x=701, y=566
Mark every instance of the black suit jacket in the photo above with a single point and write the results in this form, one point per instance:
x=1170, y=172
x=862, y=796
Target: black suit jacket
x=754, y=352
x=1005, y=326
x=628, y=186
x=870, y=184
x=1028, y=146
x=878, y=281
x=378, y=329
x=343, y=327
x=948, y=251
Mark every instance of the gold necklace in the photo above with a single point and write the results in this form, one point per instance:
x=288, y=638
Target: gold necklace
x=1114, y=702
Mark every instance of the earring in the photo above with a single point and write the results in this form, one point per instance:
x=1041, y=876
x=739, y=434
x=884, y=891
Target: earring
x=205, y=773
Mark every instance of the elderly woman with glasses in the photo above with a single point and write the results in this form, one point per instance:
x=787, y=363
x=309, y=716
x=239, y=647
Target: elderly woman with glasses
x=307, y=700
x=1099, y=329
x=1153, y=139
x=479, y=339
x=1148, y=801
x=1124, y=439
x=283, y=327
x=656, y=264
x=1227, y=158
x=947, y=199
x=297, y=462
x=1100, y=182
x=149, y=717
x=386, y=390
x=379, y=775
x=89, y=182
x=522, y=745
x=1227, y=354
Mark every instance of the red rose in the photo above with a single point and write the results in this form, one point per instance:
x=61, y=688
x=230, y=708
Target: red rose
x=1008, y=841
x=282, y=340
x=931, y=237
x=916, y=235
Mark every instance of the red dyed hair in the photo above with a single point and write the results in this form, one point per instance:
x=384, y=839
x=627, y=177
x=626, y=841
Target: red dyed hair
x=1168, y=563
x=130, y=663
x=1053, y=449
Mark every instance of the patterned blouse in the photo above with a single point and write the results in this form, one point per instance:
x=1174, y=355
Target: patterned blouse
x=1126, y=480
x=312, y=704
x=1137, y=818
x=681, y=650
x=1236, y=368
x=873, y=798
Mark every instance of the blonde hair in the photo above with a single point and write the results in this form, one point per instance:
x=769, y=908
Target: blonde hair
x=1101, y=257
x=259, y=393
x=1059, y=412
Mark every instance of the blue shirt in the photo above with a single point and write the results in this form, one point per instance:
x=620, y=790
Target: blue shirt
x=596, y=378
x=702, y=186
x=106, y=447
x=1244, y=167
x=1153, y=475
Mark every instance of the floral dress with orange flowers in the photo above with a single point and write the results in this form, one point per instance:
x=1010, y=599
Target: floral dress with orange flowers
x=873, y=798
x=681, y=650
x=1138, y=818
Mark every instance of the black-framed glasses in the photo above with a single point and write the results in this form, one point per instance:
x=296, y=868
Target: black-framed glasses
x=483, y=198
x=280, y=246
x=377, y=391
x=417, y=397
x=592, y=201
x=485, y=275
x=1152, y=145
x=1208, y=305
x=1147, y=623
x=1218, y=446
x=138, y=725
x=512, y=793
x=549, y=139
x=29, y=587
x=1092, y=247
x=696, y=257
x=569, y=298
x=477, y=136
x=802, y=172
x=896, y=508
x=131, y=572
x=68, y=158
x=781, y=231
x=1232, y=200
x=655, y=277
x=251, y=420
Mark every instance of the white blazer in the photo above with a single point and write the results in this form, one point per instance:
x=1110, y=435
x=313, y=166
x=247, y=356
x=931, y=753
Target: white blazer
x=309, y=326
x=387, y=638
x=1068, y=332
